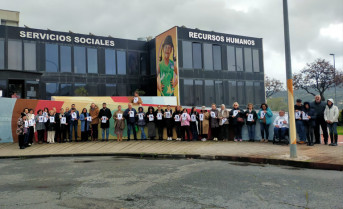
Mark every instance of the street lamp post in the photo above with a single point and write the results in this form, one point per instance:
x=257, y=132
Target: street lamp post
x=334, y=73
x=292, y=134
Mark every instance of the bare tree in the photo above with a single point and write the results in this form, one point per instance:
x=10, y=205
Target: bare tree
x=317, y=77
x=273, y=86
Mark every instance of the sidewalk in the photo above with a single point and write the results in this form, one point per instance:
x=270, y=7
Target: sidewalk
x=318, y=156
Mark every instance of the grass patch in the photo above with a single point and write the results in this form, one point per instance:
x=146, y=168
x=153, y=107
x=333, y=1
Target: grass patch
x=340, y=130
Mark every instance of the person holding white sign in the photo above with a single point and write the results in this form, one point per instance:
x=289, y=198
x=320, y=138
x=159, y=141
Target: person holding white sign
x=185, y=125
x=84, y=124
x=194, y=121
x=265, y=115
x=237, y=117
x=177, y=122
x=298, y=109
x=309, y=120
x=141, y=122
x=20, y=131
x=105, y=115
x=130, y=121
x=40, y=126
x=159, y=122
x=169, y=122
x=223, y=116
x=119, y=123
x=331, y=114
x=73, y=122
x=204, y=123
x=280, y=125
x=63, y=125
x=151, y=123
x=51, y=127
x=94, y=113
x=31, y=119
x=136, y=100
x=251, y=116
x=214, y=122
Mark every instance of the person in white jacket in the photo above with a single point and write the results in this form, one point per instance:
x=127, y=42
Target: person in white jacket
x=331, y=114
x=280, y=125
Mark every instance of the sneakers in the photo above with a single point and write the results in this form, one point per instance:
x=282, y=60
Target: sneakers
x=169, y=139
x=241, y=140
x=262, y=140
x=236, y=140
x=215, y=139
x=203, y=139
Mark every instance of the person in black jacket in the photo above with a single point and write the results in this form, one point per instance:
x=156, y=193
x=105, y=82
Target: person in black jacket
x=159, y=122
x=298, y=109
x=309, y=120
x=130, y=116
x=251, y=116
x=237, y=119
x=151, y=120
x=177, y=121
x=169, y=122
x=319, y=107
x=194, y=118
x=105, y=115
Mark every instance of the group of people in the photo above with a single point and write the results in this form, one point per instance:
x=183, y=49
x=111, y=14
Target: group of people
x=191, y=125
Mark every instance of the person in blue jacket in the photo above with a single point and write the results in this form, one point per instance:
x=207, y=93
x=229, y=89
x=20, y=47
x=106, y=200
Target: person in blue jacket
x=265, y=116
x=84, y=125
x=309, y=120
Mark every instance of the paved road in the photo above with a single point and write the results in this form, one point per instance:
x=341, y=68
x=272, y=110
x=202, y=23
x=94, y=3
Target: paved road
x=112, y=182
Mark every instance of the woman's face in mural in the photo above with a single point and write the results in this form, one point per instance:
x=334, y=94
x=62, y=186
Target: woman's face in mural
x=167, y=49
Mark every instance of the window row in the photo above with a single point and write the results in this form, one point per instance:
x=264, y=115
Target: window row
x=209, y=57
x=206, y=92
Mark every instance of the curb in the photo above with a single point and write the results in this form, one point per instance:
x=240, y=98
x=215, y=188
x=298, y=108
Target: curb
x=255, y=160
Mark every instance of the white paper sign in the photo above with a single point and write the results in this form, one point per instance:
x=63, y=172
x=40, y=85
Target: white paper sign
x=141, y=116
x=31, y=122
x=89, y=118
x=63, y=120
x=213, y=114
x=26, y=125
x=224, y=120
x=201, y=117
x=177, y=118
x=45, y=114
x=193, y=118
x=73, y=115
x=262, y=115
x=52, y=119
x=45, y=119
x=297, y=115
x=151, y=117
x=135, y=99
x=119, y=116
x=167, y=114
x=305, y=116
x=41, y=119
x=280, y=122
x=184, y=116
x=103, y=119
x=235, y=112
x=132, y=114
x=159, y=116
x=250, y=117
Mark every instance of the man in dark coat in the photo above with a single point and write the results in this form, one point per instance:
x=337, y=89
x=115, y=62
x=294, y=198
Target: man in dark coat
x=319, y=106
x=130, y=116
x=105, y=115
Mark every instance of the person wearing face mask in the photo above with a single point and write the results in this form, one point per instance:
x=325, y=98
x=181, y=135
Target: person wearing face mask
x=331, y=114
x=319, y=107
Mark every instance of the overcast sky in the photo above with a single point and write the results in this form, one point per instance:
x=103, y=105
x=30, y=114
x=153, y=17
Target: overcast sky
x=316, y=26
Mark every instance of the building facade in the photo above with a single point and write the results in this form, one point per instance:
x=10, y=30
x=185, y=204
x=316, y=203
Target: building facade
x=213, y=67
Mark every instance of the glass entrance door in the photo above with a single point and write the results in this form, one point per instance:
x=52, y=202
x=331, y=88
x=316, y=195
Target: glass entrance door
x=16, y=88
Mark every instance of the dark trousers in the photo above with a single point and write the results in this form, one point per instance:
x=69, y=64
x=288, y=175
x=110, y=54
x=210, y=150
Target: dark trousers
x=264, y=128
x=21, y=140
x=309, y=133
x=251, y=131
x=84, y=135
x=31, y=134
x=95, y=132
x=160, y=130
x=186, y=129
x=57, y=133
x=63, y=133
x=215, y=132
x=194, y=131
x=279, y=133
x=73, y=126
x=178, y=129
x=40, y=134
x=320, y=122
x=237, y=128
x=224, y=131
x=333, y=132
x=129, y=127
x=169, y=129
x=67, y=131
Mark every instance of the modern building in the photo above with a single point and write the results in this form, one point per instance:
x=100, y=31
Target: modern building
x=212, y=67
x=10, y=18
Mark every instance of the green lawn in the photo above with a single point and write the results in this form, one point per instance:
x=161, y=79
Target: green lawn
x=340, y=130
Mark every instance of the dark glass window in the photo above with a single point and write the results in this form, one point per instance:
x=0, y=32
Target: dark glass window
x=199, y=92
x=92, y=90
x=79, y=59
x=239, y=59
x=187, y=54
x=65, y=56
x=217, y=57
x=2, y=53
x=3, y=87
x=121, y=89
x=240, y=92
x=232, y=92
x=188, y=92
x=15, y=60
x=80, y=89
x=30, y=56
x=249, y=92
x=219, y=92
x=111, y=90
x=231, y=63
x=133, y=62
x=66, y=90
x=197, y=58
x=51, y=58
x=110, y=61
x=256, y=60
x=208, y=57
x=209, y=92
x=259, y=92
x=121, y=62
x=153, y=63
x=92, y=60
x=143, y=63
x=247, y=59
x=51, y=90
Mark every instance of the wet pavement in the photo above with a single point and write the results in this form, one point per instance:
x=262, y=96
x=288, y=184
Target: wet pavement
x=114, y=182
